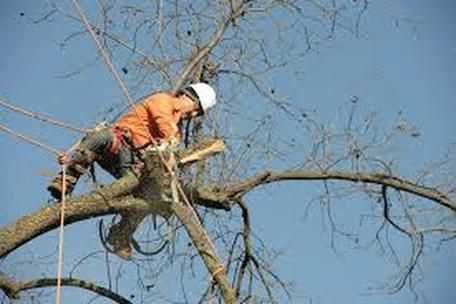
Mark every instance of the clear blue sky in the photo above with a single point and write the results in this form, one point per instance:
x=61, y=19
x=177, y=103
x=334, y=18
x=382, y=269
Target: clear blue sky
x=405, y=60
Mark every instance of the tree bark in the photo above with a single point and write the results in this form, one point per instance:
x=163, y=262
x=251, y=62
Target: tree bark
x=400, y=184
x=203, y=244
x=12, y=288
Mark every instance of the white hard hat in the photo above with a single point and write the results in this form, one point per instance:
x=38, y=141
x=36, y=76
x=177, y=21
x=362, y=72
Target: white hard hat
x=206, y=95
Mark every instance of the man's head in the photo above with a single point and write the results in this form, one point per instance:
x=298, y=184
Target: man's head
x=202, y=94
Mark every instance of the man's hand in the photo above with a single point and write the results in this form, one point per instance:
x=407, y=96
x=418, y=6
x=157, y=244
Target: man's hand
x=63, y=159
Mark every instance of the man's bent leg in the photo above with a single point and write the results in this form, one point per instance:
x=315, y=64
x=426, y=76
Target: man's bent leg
x=120, y=234
x=72, y=174
x=84, y=154
x=119, y=237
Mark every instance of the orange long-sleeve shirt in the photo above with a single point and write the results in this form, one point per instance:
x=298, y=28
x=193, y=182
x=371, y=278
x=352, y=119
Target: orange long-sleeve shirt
x=157, y=116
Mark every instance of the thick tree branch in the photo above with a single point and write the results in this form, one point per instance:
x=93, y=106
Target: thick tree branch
x=111, y=199
x=12, y=289
x=397, y=183
x=101, y=203
x=203, y=244
x=105, y=201
x=47, y=219
x=202, y=152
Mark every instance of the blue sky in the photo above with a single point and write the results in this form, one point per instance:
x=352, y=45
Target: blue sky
x=403, y=61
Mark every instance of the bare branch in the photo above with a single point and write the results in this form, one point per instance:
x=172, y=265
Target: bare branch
x=12, y=289
x=359, y=177
x=236, y=12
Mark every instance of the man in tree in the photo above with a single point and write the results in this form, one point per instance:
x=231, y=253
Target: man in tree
x=155, y=122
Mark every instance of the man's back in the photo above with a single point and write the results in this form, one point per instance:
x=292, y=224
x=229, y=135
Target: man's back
x=156, y=116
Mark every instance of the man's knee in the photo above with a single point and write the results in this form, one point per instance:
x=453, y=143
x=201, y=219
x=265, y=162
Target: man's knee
x=83, y=156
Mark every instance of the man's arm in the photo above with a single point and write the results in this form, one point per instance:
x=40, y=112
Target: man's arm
x=161, y=111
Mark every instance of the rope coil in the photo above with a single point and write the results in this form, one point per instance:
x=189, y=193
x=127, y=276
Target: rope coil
x=220, y=269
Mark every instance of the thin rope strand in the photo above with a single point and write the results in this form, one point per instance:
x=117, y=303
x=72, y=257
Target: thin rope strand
x=41, y=117
x=29, y=140
x=105, y=57
x=61, y=235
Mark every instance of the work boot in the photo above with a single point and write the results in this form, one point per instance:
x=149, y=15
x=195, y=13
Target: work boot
x=123, y=251
x=120, y=243
x=72, y=175
x=56, y=186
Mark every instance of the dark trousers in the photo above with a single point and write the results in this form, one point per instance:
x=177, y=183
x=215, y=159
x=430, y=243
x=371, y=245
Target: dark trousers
x=97, y=146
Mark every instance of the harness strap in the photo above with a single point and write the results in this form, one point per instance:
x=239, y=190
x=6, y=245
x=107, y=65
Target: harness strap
x=120, y=138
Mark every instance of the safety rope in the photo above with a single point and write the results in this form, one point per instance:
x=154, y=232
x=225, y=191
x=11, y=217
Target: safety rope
x=29, y=140
x=62, y=203
x=103, y=54
x=124, y=89
x=61, y=235
x=41, y=117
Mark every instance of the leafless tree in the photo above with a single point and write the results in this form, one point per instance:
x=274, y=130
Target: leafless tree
x=238, y=45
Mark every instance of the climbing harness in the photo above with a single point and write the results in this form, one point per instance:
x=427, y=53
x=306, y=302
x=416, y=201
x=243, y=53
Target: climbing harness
x=121, y=137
